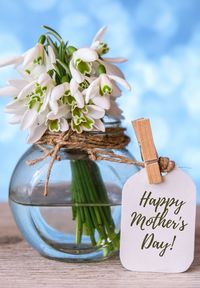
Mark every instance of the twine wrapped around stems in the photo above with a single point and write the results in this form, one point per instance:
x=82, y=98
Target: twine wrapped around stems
x=97, y=145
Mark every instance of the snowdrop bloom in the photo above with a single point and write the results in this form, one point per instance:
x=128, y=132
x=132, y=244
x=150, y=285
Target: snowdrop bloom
x=87, y=118
x=14, y=87
x=81, y=63
x=75, y=91
x=104, y=85
x=60, y=97
x=101, y=48
x=34, y=65
x=97, y=44
x=33, y=62
x=67, y=102
x=38, y=128
x=60, y=102
x=30, y=105
x=57, y=122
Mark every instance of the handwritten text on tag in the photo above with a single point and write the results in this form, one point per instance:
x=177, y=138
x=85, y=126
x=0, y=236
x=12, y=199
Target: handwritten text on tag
x=158, y=223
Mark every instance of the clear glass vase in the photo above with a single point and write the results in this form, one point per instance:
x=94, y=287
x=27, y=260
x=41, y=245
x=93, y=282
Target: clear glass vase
x=79, y=219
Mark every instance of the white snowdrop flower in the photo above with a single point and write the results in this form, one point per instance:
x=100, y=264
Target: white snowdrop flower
x=87, y=118
x=31, y=101
x=57, y=122
x=33, y=62
x=102, y=48
x=103, y=86
x=14, y=87
x=60, y=102
x=60, y=96
x=34, y=54
x=38, y=128
x=80, y=64
x=76, y=93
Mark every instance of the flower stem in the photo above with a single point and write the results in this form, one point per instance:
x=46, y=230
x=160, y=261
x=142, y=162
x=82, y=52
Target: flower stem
x=91, y=209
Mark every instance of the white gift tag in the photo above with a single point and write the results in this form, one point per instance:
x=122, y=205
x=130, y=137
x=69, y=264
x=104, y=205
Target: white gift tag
x=158, y=223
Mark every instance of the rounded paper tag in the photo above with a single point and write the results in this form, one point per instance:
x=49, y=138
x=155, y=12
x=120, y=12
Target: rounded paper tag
x=158, y=223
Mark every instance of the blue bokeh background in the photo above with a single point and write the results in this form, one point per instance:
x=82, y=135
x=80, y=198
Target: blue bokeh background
x=161, y=38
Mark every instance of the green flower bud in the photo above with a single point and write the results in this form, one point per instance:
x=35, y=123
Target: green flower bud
x=42, y=39
x=101, y=69
x=71, y=49
x=65, y=79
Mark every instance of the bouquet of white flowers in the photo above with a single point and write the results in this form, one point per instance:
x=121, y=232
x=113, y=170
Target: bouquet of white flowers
x=63, y=88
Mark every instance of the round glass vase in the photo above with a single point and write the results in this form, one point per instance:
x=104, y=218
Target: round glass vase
x=79, y=219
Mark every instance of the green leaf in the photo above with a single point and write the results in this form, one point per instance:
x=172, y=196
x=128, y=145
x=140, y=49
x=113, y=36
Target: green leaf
x=52, y=44
x=61, y=51
x=57, y=70
x=64, y=66
x=53, y=33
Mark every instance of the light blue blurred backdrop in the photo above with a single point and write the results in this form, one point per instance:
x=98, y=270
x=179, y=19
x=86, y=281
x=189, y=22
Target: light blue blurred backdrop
x=162, y=41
